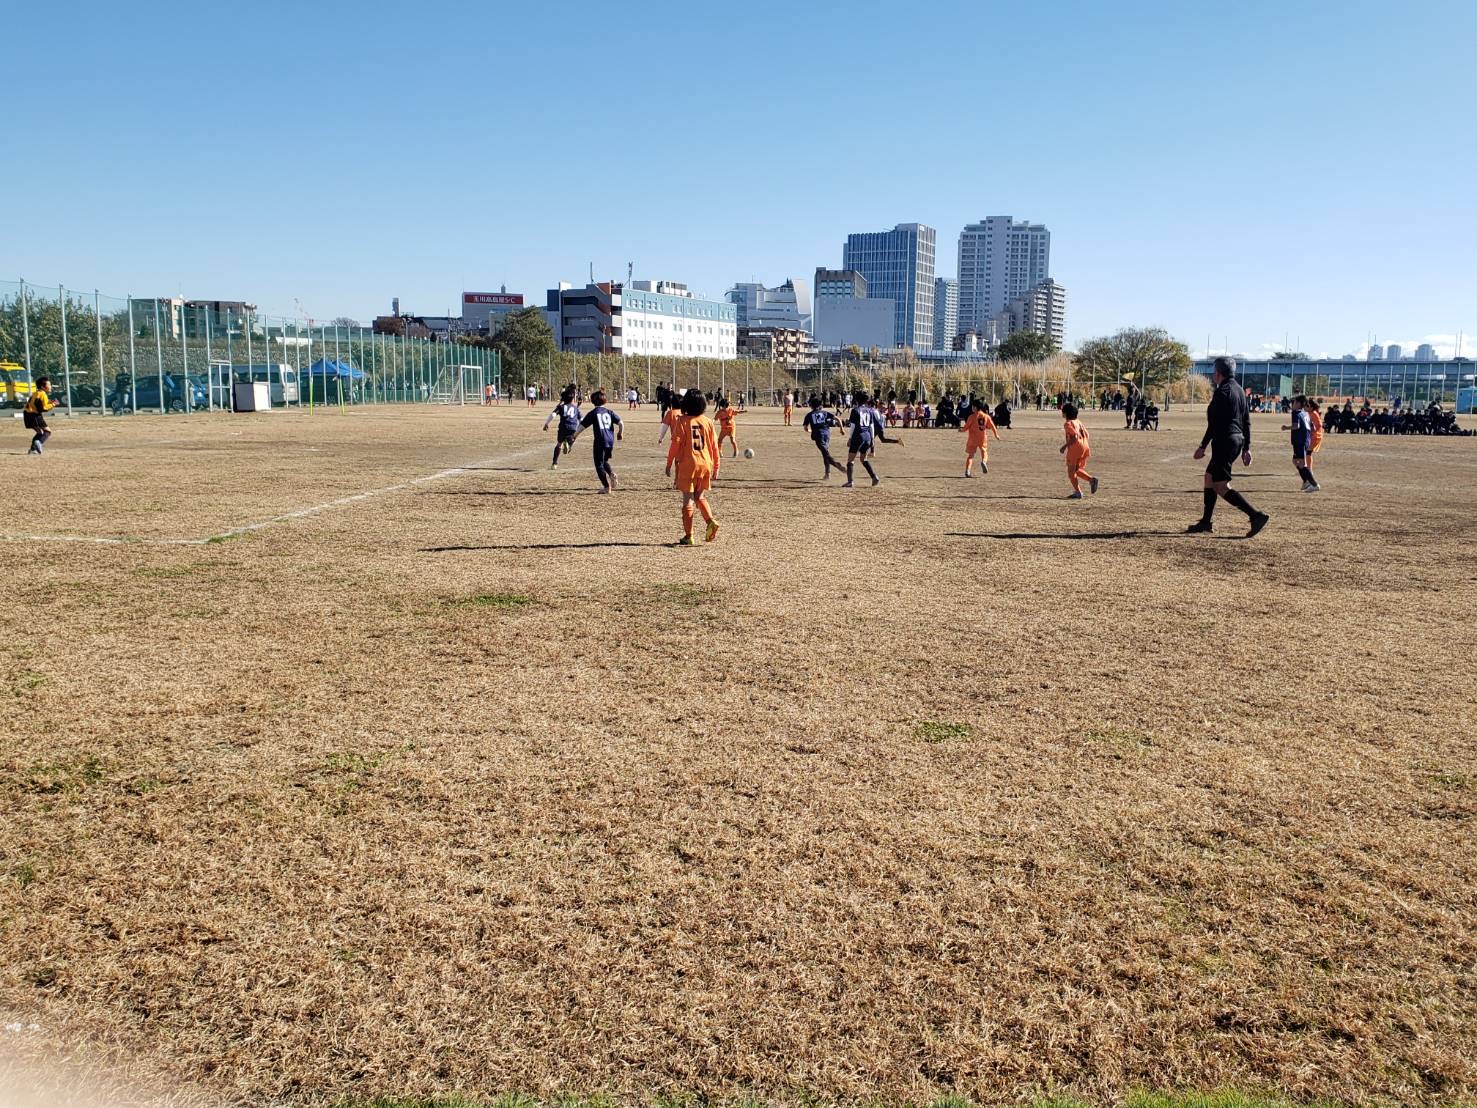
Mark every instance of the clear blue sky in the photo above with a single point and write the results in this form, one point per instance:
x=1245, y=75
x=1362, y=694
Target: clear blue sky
x=1242, y=170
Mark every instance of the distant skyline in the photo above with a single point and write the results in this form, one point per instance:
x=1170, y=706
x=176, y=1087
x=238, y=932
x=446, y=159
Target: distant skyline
x=1218, y=172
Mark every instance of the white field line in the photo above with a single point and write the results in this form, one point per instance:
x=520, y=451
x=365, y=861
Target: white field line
x=285, y=517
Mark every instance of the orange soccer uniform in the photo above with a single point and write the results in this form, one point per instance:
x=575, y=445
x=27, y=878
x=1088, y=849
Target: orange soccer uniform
x=671, y=419
x=977, y=435
x=1077, y=453
x=1317, y=419
x=787, y=409
x=694, y=454
x=727, y=417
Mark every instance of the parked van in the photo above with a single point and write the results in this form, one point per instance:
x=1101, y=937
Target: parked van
x=15, y=385
x=282, y=378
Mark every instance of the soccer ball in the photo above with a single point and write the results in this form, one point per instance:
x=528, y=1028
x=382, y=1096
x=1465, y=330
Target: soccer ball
x=749, y=453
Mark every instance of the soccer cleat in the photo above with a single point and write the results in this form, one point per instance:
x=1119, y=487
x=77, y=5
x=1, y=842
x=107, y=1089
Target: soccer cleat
x=984, y=467
x=968, y=473
x=846, y=485
x=1314, y=487
x=712, y=532
x=1093, y=485
x=613, y=482
x=554, y=466
x=567, y=445
x=1258, y=521
x=685, y=540
x=1076, y=495
x=604, y=491
x=876, y=481
x=1200, y=527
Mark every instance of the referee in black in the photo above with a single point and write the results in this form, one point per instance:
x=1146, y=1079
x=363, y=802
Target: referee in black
x=1228, y=434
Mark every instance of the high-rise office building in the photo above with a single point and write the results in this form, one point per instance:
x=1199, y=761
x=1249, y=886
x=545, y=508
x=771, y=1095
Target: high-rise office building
x=1376, y=353
x=1042, y=308
x=999, y=260
x=945, y=312
x=898, y=266
x=844, y=284
x=1393, y=352
x=1425, y=352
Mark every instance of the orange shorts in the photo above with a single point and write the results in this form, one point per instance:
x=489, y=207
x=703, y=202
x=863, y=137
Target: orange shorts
x=693, y=480
x=1317, y=444
x=982, y=445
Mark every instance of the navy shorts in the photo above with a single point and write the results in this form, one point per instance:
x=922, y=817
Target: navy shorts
x=859, y=445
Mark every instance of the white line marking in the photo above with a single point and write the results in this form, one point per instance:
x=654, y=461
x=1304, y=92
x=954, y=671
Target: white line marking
x=286, y=517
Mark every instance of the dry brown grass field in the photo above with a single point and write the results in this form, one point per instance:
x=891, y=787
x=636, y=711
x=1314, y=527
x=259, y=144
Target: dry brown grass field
x=470, y=783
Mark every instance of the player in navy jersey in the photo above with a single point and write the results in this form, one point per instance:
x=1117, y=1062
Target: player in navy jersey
x=567, y=412
x=607, y=431
x=867, y=429
x=819, y=422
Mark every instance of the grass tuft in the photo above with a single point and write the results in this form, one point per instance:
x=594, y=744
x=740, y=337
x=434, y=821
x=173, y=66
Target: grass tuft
x=934, y=731
x=505, y=601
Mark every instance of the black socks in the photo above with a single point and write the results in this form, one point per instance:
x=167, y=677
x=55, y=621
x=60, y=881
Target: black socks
x=1209, y=505
x=1236, y=500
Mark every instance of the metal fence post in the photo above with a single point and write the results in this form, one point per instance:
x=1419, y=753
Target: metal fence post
x=97, y=315
x=61, y=302
x=159, y=355
x=184, y=342
x=132, y=362
x=26, y=330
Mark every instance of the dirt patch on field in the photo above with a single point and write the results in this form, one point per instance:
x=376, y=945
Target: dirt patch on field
x=372, y=757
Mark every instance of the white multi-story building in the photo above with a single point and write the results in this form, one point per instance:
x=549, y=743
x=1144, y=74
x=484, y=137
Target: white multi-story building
x=786, y=307
x=1376, y=353
x=999, y=260
x=655, y=318
x=945, y=312
x=1042, y=309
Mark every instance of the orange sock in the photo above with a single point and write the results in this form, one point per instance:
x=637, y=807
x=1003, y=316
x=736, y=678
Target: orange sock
x=702, y=506
x=687, y=518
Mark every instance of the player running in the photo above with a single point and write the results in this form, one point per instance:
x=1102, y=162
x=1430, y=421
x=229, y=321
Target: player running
x=694, y=451
x=608, y=431
x=819, y=423
x=1077, y=451
x=1302, y=442
x=567, y=412
x=727, y=419
x=867, y=429
x=34, y=416
x=977, y=427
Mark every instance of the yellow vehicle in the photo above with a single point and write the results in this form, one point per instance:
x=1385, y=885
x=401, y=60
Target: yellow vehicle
x=15, y=386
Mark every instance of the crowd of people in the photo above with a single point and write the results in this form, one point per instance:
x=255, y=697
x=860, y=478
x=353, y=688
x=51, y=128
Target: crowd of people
x=1395, y=420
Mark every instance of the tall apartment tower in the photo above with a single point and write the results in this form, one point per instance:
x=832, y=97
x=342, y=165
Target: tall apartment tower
x=898, y=266
x=1000, y=259
x=945, y=312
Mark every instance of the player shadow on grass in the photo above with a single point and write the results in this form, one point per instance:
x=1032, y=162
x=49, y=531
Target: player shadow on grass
x=538, y=546
x=1067, y=535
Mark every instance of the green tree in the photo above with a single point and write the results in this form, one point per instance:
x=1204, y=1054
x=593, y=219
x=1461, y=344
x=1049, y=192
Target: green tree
x=524, y=334
x=1147, y=356
x=1289, y=356
x=1027, y=346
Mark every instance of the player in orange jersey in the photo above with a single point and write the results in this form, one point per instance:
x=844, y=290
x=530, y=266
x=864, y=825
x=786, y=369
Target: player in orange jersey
x=789, y=405
x=670, y=418
x=1077, y=452
x=977, y=427
x=727, y=418
x=694, y=453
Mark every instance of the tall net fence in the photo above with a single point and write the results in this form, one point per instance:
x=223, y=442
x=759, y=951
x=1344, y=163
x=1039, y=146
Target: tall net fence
x=113, y=355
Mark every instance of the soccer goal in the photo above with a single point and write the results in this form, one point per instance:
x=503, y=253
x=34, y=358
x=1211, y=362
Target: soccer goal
x=455, y=383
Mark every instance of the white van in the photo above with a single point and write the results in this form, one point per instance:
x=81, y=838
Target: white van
x=280, y=376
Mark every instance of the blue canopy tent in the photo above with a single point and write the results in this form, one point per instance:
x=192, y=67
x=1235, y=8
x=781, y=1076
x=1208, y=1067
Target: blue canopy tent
x=331, y=381
x=333, y=368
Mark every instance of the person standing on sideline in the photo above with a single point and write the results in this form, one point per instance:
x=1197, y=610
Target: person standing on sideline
x=1228, y=434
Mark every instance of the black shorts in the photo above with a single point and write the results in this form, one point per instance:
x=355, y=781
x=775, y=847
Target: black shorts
x=567, y=436
x=1223, y=460
x=859, y=445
